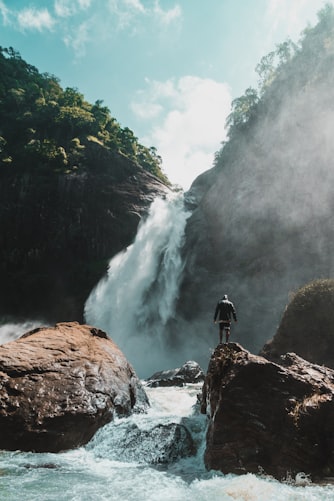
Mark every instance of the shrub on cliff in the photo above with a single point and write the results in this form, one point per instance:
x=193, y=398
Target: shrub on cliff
x=307, y=325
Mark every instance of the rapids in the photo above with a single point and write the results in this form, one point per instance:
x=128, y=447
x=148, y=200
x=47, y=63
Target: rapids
x=92, y=473
x=134, y=304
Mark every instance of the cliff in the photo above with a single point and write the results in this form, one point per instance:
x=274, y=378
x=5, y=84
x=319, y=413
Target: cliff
x=262, y=220
x=73, y=187
x=58, y=231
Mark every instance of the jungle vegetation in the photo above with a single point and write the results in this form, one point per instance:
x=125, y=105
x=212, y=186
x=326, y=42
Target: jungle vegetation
x=47, y=128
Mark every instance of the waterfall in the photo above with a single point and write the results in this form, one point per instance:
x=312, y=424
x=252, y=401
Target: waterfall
x=136, y=299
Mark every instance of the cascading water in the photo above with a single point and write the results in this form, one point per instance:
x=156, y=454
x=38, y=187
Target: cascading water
x=104, y=471
x=137, y=298
x=133, y=304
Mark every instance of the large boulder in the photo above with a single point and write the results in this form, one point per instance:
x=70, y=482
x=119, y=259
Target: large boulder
x=59, y=385
x=266, y=417
x=307, y=325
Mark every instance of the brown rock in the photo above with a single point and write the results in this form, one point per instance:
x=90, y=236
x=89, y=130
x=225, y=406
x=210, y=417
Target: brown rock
x=190, y=372
x=59, y=385
x=268, y=417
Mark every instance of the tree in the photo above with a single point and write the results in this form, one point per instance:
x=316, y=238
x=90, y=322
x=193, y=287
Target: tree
x=242, y=110
x=39, y=120
x=271, y=64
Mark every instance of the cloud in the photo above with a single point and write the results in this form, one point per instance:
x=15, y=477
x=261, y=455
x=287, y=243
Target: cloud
x=291, y=16
x=79, y=22
x=167, y=16
x=127, y=13
x=35, y=19
x=134, y=5
x=66, y=8
x=4, y=11
x=84, y=4
x=189, y=123
x=62, y=8
x=78, y=39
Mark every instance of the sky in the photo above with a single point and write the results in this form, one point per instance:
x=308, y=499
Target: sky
x=167, y=69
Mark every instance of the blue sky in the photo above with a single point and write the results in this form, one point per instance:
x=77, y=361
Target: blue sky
x=168, y=69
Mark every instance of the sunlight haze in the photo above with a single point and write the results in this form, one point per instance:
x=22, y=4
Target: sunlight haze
x=166, y=69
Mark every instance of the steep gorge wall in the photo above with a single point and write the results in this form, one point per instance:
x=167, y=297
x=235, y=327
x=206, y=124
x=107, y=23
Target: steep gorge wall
x=57, y=232
x=262, y=225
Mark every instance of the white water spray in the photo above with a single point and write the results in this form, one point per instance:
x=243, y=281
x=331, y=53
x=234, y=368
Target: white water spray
x=137, y=298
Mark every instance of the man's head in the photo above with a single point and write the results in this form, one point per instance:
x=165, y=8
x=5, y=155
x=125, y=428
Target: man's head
x=225, y=296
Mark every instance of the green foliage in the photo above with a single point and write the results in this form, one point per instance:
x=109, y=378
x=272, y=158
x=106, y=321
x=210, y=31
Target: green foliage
x=46, y=127
x=297, y=64
x=270, y=65
x=242, y=109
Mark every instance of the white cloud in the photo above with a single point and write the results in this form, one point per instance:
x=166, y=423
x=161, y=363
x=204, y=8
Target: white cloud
x=291, y=16
x=127, y=12
x=135, y=5
x=66, y=8
x=35, y=19
x=78, y=39
x=167, y=16
x=190, y=125
x=62, y=8
x=4, y=11
x=84, y=4
x=146, y=110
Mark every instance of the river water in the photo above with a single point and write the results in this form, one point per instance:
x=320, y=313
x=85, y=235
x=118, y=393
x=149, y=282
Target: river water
x=133, y=304
x=103, y=471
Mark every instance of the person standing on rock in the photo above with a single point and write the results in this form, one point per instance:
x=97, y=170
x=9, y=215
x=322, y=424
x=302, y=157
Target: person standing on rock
x=223, y=314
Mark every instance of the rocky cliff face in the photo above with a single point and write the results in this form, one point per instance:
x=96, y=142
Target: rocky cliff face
x=57, y=232
x=266, y=417
x=59, y=385
x=262, y=220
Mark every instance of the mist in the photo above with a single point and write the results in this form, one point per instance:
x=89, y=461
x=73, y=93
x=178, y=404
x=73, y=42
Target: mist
x=136, y=300
x=260, y=227
x=13, y=330
x=263, y=224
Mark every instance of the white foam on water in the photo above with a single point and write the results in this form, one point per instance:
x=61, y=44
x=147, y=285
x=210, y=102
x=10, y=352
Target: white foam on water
x=90, y=473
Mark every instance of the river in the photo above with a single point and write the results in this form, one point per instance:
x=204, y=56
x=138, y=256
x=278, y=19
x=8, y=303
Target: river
x=133, y=305
x=102, y=470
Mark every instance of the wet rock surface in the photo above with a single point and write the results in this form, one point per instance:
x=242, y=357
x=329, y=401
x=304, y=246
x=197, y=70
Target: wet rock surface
x=274, y=418
x=190, y=372
x=59, y=385
x=161, y=444
x=58, y=232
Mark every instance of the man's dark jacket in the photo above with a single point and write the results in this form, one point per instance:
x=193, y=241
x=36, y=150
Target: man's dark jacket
x=225, y=310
